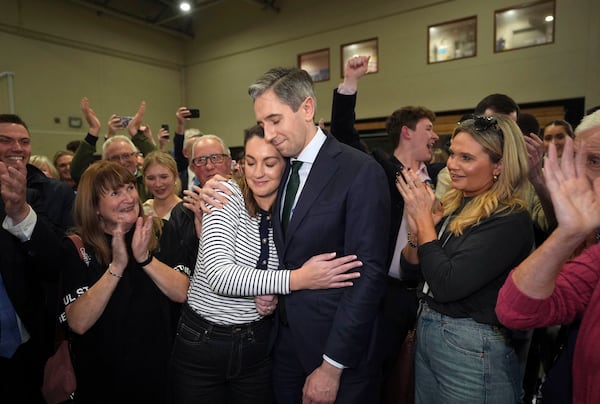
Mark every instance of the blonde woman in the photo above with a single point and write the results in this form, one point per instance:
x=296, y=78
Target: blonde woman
x=45, y=165
x=162, y=182
x=463, y=353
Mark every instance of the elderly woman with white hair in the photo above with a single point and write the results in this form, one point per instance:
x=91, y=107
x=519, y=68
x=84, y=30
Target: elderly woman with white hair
x=549, y=287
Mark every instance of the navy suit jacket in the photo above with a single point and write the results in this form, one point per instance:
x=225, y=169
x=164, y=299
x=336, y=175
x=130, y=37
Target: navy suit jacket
x=56, y=197
x=342, y=128
x=344, y=208
x=27, y=268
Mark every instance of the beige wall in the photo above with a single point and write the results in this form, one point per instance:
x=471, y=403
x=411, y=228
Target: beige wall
x=60, y=52
x=220, y=71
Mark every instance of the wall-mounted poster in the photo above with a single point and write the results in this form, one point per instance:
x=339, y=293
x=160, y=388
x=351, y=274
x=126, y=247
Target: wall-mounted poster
x=316, y=63
x=523, y=26
x=368, y=47
x=452, y=40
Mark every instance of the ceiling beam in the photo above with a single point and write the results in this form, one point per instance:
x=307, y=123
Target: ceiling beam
x=195, y=9
x=139, y=21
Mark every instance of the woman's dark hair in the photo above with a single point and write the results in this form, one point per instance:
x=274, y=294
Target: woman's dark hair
x=499, y=103
x=558, y=122
x=98, y=179
x=12, y=118
x=251, y=205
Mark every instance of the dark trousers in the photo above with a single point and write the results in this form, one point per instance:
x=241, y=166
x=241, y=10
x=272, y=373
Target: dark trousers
x=21, y=376
x=399, y=315
x=361, y=385
x=220, y=364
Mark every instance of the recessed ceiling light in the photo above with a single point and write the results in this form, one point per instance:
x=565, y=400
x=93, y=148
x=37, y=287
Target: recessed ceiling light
x=185, y=6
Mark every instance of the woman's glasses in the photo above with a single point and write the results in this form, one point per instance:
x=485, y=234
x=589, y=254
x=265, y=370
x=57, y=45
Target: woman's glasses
x=483, y=123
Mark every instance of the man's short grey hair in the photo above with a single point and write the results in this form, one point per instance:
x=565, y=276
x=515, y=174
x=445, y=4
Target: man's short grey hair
x=190, y=138
x=210, y=137
x=115, y=139
x=192, y=132
x=591, y=121
x=291, y=85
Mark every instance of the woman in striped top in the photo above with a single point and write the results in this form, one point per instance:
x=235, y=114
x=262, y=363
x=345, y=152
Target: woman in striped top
x=221, y=349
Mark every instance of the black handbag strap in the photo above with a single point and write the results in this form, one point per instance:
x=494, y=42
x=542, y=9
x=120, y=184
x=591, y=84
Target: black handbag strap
x=62, y=330
x=76, y=239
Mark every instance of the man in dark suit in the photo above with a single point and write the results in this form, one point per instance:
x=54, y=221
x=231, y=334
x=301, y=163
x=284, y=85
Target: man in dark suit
x=28, y=247
x=56, y=197
x=412, y=137
x=325, y=344
x=35, y=212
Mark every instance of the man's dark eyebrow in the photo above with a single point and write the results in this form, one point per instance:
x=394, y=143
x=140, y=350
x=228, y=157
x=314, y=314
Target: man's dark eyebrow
x=268, y=117
x=10, y=137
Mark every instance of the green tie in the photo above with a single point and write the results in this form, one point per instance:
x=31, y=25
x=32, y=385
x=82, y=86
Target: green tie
x=290, y=194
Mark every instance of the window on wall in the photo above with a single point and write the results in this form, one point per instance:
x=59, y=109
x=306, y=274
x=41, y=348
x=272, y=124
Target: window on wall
x=367, y=47
x=452, y=40
x=316, y=63
x=524, y=26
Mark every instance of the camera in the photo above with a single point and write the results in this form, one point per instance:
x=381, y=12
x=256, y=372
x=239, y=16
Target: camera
x=124, y=120
x=194, y=113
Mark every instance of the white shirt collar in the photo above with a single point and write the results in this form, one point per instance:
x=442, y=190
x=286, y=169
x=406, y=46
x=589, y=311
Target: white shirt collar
x=309, y=153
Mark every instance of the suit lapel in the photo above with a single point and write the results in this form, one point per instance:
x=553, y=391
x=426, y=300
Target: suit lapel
x=276, y=211
x=323, y=169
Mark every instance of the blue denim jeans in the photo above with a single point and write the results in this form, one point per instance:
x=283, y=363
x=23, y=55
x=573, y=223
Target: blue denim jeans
x=459, y=360
x=220, y=364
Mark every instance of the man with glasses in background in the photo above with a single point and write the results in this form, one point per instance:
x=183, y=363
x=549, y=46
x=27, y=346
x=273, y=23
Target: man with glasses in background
x=118, y=148
x=210, y=157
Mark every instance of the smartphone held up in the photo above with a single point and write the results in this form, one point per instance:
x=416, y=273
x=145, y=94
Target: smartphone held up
x=124, y=120
x=165, y=128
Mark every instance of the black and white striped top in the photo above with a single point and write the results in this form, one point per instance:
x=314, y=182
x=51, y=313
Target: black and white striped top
x=226, y=280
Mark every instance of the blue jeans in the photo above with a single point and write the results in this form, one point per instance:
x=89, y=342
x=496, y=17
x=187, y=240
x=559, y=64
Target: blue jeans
x=220, y=364
x=459, y=360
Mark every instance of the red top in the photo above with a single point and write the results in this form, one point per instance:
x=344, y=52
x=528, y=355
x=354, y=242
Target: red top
x=575, y=293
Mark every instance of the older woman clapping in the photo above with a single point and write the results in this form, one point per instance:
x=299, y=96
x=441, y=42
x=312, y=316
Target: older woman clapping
x=119, y=297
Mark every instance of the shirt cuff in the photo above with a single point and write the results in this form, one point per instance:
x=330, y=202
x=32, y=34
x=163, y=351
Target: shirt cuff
x=91, y=139
x=346, y=90
x=22, y=230
x=333, y=363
